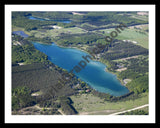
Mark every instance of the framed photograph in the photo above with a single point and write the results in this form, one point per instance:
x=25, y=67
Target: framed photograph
x=80, y=63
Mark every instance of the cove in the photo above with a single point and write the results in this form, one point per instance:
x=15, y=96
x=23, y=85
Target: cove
x=93, y=74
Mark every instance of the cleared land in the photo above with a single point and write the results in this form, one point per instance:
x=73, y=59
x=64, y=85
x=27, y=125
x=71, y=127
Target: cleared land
x=138, y=35
x=56, y=32
x=130, y=109
x=88, y=104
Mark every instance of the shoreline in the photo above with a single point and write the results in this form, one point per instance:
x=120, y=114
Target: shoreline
x=91, y=88
x=94, y=59
x=121, y=81
x=106, y=70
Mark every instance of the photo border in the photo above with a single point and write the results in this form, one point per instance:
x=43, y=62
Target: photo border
x=9, y=118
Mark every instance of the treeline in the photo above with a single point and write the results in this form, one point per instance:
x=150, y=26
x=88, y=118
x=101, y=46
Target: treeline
x=66, y=106
x=20, y=19
x=95, y=18
x=136, y=112
x=74, y=39
x=129, y=96
x=137, y=71
x=104, y=18
x=123, y=50
x=27, y=54
x=52, y=15
x=139, y=85
x=89, y=27
x=137, y=68
x=21, y=97
x=45, y=40
x=40, y=77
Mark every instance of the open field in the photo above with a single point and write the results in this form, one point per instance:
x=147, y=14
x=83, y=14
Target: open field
x=140, y=37
x=56, y=32
x=140, y=107
x=90, y=104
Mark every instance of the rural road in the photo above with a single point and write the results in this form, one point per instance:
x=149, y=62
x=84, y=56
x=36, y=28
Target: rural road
x=130, y=109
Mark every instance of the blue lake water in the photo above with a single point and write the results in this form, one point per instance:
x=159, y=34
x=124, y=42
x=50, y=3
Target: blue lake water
x=41, y=19
x=94, y=72
x=20, y=33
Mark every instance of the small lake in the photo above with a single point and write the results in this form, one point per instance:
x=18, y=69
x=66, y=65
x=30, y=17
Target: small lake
x=94, y=72
x=41, y=19
x=20, y=33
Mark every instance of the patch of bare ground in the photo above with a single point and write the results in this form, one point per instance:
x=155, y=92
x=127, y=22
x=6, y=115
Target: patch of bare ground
x=139, y=26
x=102, y=112
x=126, y=81
x=129, y=58
x=121, y=69
x=32, y=110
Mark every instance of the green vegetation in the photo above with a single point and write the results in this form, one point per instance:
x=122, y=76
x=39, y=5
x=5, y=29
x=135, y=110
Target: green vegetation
x=122, y=50
x=74, y=39
x=25, y=52
x=137, y=68
x=21, y=98
x=66, y=106
x=139, y=85
x=43, y=78
x=134, y=34
x=34, y=77
x=20, y=19
x=103, y=18
x=90, y=104
x=136, y=112
x=38, y=77
x=52, y=15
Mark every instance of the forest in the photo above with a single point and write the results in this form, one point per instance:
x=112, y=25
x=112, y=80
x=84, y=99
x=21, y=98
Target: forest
x=21, y=97
x=20, y=19
x=124, y=49
x=136, y=112
x=26, y=53
x=137, y=68
x=74, y=39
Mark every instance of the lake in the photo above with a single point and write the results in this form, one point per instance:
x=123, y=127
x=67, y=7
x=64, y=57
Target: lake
x=20, y=33
x=41, y=19
x=93, y=74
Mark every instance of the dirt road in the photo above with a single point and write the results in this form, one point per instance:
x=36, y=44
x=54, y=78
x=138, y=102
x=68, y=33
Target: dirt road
x=130, y=109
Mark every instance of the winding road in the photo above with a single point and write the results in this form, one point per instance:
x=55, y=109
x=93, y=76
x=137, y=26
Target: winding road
x=130, y=109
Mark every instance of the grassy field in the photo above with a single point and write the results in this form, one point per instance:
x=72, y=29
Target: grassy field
x=55, y=32
x=131, y=34
x=90, y=104
x=138, y=35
